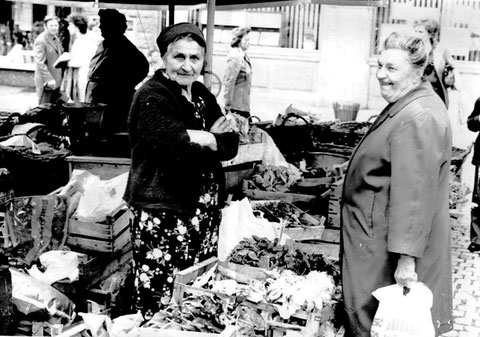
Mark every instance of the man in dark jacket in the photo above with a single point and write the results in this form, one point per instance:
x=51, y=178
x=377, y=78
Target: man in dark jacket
x=473, y=123
x=117, y=67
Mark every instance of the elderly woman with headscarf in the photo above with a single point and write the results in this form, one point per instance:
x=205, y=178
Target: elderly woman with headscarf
x=395, y=202
x=175, y=187
x=237, y=80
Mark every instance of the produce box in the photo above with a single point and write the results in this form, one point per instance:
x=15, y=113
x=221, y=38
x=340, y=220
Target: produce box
x=324, y=160
x=334, y=204
x=330, y=250
x=331, y=235
x=240, y=273
x=306, y=202
x=299, y=225
x=305, y=321
x=154, y=332
x=108, y=236
x=313, y=185
x=95, y=268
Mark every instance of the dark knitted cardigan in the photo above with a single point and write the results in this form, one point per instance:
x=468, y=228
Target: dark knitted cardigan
x=166, y=168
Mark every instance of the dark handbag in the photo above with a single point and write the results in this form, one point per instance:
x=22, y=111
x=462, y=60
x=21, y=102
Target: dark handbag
x=292, y=140
x=448, y=76
x=50, y=95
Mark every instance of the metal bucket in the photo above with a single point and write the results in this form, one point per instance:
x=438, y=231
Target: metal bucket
x=85, y=115
x=324, y=160
x=84, y=124
x=346, y=111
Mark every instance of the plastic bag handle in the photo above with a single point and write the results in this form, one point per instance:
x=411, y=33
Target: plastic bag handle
x=252, y=117
x=290, y=115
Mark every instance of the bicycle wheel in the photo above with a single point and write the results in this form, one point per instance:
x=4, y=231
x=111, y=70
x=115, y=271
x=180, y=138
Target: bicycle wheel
x=216, y=84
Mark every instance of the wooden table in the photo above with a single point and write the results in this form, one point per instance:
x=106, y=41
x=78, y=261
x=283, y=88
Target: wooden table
x=110, y=167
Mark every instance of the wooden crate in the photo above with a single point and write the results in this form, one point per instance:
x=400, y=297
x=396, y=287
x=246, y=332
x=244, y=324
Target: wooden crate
x=108, y=236
x=256, y=194
x=154, y=332
x=97, y=268
x=312, y=231
x=313, y=185
x=104, y=167
x=268, y=311
x=240, y=273
x=313, y=321
x=334, y=204
x=279, y=329
x=331, y=235
x=330, y=251
x=306, y=202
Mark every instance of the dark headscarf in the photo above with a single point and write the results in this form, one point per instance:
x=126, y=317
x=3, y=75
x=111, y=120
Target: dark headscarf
x=172, y=33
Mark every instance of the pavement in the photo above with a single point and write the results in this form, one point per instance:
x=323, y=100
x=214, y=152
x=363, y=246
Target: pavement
x=17, y=99
x=465, y=265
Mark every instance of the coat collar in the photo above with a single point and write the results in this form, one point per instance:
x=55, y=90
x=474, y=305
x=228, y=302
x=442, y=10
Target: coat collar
x=54, y=41
x=424, y=89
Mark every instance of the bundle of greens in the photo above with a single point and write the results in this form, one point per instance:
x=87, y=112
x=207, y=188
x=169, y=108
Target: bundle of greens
x=249, y=251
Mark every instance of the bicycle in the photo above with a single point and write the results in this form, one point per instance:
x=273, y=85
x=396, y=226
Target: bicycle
x=216, y=83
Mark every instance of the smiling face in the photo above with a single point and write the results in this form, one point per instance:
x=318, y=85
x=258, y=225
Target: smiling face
x=396, y=75
x=52, y=26
x=184, y=61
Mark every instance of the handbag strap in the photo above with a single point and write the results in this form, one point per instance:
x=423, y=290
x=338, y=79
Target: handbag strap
x=291, y=115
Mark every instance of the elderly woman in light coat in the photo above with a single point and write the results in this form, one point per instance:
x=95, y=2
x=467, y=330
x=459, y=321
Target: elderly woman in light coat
x=439, y=58
x=395, y=216
x=237, y=80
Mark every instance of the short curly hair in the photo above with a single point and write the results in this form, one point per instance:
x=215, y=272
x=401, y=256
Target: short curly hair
x=431, y=26
x=237, y=35
x=415, y=47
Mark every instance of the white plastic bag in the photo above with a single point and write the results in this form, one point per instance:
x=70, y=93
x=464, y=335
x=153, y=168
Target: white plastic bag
x=98, y=197
x=403, y=315
x=239, y=222
x=60, y=264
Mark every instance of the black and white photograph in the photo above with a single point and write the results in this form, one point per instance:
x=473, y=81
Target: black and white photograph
x=240, y=168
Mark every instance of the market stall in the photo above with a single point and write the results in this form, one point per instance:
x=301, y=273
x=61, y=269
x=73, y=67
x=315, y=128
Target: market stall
x=288, y=211
x=277, y=272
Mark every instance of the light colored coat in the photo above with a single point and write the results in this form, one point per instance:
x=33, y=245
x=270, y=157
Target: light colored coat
x=82, y=51
x=395, y=201
x=237, y=81
x=47, y=48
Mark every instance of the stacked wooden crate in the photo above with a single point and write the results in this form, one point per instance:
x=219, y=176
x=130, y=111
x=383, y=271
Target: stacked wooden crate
x=310, y=321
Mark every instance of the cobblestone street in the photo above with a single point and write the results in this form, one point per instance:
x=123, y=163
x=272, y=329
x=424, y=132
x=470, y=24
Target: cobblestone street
x=465, y=268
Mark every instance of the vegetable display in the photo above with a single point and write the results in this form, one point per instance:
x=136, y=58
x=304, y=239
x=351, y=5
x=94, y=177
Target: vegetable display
x=201, y=313
x=251, y=250
x=275, y=211
x=271, y=178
